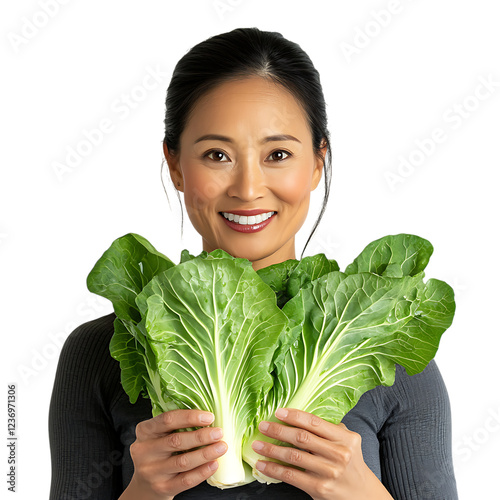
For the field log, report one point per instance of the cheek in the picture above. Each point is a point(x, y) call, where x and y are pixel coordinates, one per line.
point(296, 186)
point(202, 187)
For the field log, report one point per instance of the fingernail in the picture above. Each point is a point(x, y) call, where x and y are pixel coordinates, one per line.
point(281, 413)
point(216, 433)
point(257, 445)
point(214, 465)
point(207, 418)
point(260, 465)
point(220, 447)
point(263, 426)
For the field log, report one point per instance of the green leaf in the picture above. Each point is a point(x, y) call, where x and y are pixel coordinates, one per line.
point(123, 271)
point(355, 329)
point(126, 349)
point(288, 277)
point(119, 275)
point(394, 256)
point(276, 276)
point(185, 255)
point(307, 270)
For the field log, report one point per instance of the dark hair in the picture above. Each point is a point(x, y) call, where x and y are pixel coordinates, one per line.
point(240, 53)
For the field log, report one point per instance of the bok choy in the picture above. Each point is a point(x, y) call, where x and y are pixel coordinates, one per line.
point(213, 334)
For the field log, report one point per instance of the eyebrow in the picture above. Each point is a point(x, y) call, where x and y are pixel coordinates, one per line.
point(270, 138)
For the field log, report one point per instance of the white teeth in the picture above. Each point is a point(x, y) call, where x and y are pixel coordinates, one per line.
point(247, 220)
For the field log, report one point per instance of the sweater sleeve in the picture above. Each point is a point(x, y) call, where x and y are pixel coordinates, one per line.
point(415, 440)
point(85, 451)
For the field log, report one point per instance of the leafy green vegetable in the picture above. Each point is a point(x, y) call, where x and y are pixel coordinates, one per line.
point(119, 275)
point(348, 333)
point(394, 256)
point(215, 352)
point(211, 333)
point(287, 278)
point(123, 271)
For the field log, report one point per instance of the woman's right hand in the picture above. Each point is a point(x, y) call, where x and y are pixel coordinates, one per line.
point(160, 475)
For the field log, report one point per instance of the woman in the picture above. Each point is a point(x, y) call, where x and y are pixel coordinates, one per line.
point(245, 134)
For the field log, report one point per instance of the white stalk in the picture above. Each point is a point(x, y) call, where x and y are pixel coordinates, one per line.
point(231, 471)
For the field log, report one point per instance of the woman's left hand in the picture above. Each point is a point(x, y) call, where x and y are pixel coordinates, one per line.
point(330, 454)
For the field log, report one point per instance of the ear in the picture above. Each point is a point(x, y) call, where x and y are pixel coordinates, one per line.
point(174, 168)
point(318, 167)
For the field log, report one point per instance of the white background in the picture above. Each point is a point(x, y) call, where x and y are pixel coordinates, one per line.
point(415, 69)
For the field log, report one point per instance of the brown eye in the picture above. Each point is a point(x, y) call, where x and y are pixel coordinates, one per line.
point(279, 155)
point(217, 155)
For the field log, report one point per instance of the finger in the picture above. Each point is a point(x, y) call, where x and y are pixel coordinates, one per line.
point(300, 438)
point(172, 420)
point(190, 440)
point(165, 468)
point(312, 423)
point(190, 479)
point(295, 477)
point(177, 442)
point(193, 459)
point(305, 440)
point(298, 458)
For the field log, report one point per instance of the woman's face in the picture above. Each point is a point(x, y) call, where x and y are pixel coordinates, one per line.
point(245, 168)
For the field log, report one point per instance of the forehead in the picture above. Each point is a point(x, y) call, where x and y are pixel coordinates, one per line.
point(246, 103)
point(252, 87)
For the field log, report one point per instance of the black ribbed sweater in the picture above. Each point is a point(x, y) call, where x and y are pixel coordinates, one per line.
point(405, 430)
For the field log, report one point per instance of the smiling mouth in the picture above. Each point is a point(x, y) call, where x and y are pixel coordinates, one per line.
point(245, 220)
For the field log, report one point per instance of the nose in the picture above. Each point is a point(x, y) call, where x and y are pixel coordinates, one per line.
point(248, 180)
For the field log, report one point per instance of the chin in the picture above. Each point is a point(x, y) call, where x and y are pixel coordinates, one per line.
point(257, 257)
point(244, 254)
